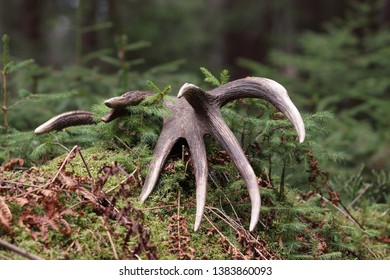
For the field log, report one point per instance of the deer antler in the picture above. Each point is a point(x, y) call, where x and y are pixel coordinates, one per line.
point(195, 113)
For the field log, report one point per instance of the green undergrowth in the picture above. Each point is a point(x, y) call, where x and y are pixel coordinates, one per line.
point(296, 226)
point(82, 202)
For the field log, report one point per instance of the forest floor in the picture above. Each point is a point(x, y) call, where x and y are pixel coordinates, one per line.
point(85, 205)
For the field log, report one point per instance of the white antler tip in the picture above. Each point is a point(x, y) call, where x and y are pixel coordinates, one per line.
point(185, 88)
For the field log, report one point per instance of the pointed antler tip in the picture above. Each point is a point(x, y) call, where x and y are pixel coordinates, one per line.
point(185, 88)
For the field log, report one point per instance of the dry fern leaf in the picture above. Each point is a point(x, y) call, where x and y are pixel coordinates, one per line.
point(19, 200)
point(5, 215)
point(11, 164)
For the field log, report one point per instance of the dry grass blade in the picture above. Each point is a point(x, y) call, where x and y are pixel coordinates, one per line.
point(68, 158)
point(86, 166)
point(252, 247)
point(109, 238)
point(224, 238)
point(128, 178)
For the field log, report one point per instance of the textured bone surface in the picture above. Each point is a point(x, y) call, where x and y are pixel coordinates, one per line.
point(64, 120)
point(201, 109)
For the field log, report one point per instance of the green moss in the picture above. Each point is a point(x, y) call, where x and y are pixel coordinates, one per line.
point(293, 225)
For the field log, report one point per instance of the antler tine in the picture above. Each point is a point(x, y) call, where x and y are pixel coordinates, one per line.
point(199, 161)
point(207, 111)
point(130, 98)
point(161, 152)
point(65, 120)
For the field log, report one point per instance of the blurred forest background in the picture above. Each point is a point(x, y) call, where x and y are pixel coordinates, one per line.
point(214, 33)
point(332, 56)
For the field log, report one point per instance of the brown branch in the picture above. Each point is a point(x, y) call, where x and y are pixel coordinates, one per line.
point(15, 183)
point(18, 250)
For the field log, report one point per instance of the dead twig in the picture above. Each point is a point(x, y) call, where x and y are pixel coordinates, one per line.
point(368, 186)
point(18, 250)
point(251, 244)
point(157, 207)
point(228, 220)
point(123, 181)
point(343, 211)
point(109, 238)
point(64, 163)
point(86, 167)
point(224, 237)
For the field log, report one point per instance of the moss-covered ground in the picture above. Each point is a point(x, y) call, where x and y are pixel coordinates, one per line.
point(85, 205)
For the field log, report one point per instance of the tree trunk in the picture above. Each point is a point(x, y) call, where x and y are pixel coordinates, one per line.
point(385, 13)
